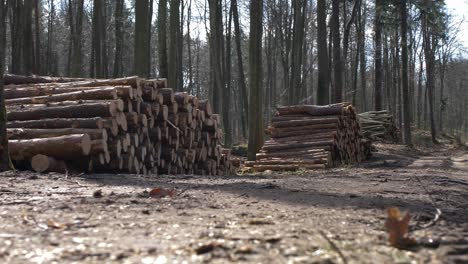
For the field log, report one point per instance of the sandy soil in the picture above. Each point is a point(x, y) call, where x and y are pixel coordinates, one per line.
point(332, 216)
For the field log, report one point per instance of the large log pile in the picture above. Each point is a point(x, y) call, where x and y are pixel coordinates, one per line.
point(128, 125)
point(379, 126)
point(311, 137)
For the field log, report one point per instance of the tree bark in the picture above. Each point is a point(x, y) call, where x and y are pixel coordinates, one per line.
point(63, 147)
point(162, 38)
point(5, 163)
point(119, 39)
point(322, 53)
point(240, 69)
point(404, 72)
point(337, 94)
point(174, 33)
point(141, 38)
point(255, 79)
point(378, 55)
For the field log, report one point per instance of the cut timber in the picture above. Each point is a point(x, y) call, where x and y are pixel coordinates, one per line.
point(103, 93)
point(292, 162)
point(28, 133)
point(119, 104)
point(315, 110)
point(106, 109)
point(205, 106)
point(293, 167)
point(306, 122)
point(168, 96)
point(95, 122)
point(67, 147)
point(16, 93)
point(20, 79)
point(42, 163)
point(298, 145)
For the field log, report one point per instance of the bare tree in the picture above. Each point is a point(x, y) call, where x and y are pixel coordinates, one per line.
point(322, 53)
point(255, 79)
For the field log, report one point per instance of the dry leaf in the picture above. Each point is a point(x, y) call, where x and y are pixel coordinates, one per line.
point(52, 224)
point(160, 192)
point(397, 228)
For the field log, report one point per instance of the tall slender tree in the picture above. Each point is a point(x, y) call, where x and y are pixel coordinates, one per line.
point(322, 53)
point(378, 55)
point(119, 39)
point(255, 80)
point(295, 83)
point(404, 73)
point(141, 38)
point(4, 155)
point(240, 67)
point(337, 94)
point(162, 38)
point(174, 38)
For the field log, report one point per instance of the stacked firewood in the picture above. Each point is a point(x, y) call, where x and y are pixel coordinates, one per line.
point(128, 125)
point(379, 126)
point(311, 137)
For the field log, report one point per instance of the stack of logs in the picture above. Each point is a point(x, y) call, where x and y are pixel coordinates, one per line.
point(127, 125)
point(379, 126)
point(311, 137)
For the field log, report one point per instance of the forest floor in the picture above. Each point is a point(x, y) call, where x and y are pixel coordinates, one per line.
point(324, 216)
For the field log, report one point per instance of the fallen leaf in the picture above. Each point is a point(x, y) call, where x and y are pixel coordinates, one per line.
point(160, 192)
point(397, 228)
point(52, 224)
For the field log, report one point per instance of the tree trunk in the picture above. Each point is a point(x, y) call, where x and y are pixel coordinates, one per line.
point(76, 9)
point(240, 69)
point(227, 89)
point(96, 57)
point(4, 154)
point(119, 39)
point(337, 95)
point(162, 38)
point(255, 79)
point(216, 53)
point(174, 29)
point(28, 47)
point(37, 40)
point(322, 53)
point(141, 38)
point(429, 43)
point(404, 72)
point(295, 83)
point(378, 55)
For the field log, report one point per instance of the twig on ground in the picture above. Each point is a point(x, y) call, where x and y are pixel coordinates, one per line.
point(334, 247)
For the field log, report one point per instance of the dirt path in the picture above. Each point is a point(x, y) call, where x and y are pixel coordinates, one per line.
point(333, 216)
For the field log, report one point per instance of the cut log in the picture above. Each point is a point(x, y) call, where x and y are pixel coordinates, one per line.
point(20, 79)
point(106, 109)
point(261, 168)
point(315, 110)
point(63, 147)
point(103, 93)
point(29, 133)
point(205, 106)
point(95, 122)
point(42, 163)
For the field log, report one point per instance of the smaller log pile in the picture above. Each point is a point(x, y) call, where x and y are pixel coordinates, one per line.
point(126, 125)
point(379, 126)
point(310, 137)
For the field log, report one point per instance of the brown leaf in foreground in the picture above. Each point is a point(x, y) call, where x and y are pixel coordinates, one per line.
point(160, 192)
point(397, 228)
